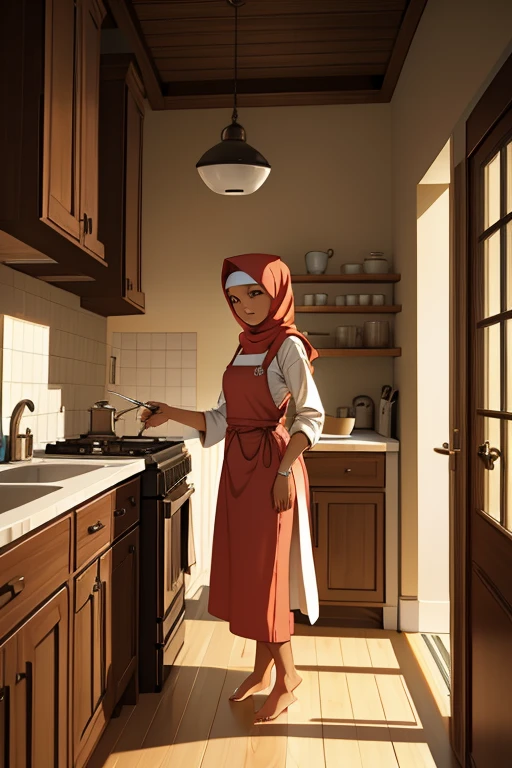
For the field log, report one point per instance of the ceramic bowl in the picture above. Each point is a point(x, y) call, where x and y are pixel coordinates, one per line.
point(335, 426)
point(351, 269)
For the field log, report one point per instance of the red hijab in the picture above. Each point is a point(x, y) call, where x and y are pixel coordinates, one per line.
point(274, 276)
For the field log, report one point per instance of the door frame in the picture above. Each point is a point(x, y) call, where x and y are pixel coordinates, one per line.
point(491, 106)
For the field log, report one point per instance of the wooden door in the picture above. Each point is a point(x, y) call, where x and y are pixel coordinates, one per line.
point(125, 588)
point(7, 688)
point(91, 17)
point(133, 190)
point(88, 685)
point(60, 203)
point(41, 690)
point(489, 623)
point(349, 546)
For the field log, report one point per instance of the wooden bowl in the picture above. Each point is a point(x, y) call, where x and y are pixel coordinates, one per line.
point(335, 426)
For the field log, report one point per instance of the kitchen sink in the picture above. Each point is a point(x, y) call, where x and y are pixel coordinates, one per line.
point(45, 473)
point(12, 496)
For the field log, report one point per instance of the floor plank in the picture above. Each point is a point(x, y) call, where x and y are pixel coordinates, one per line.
point(305, 746)
point(363, 703)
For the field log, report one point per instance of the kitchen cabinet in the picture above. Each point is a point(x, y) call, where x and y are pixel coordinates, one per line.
point(349, 545)
point(354, 522)
point(49, 148)
point(91, 651)
point(124, 633)
point(120, 189)
point(71, 99)
point(34, 692)
point(68, 631)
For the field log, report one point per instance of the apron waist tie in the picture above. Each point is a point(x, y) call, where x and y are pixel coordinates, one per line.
point(245, 426)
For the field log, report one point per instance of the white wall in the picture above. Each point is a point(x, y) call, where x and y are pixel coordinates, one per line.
point(330, 187)
point(458, 46)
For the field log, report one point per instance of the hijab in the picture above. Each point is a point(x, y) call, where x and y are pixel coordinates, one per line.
point(273, 274)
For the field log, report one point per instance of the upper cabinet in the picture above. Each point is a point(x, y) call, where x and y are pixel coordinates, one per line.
point(71, 127)
point(71, 124)
point(120, 189)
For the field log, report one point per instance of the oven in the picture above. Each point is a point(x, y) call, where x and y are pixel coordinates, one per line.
point(166, 554)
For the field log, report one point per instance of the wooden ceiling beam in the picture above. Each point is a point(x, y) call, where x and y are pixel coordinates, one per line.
point(189, 9)
point(281, 99)
point(403, 42)
point(261, 39)
point(128, 23)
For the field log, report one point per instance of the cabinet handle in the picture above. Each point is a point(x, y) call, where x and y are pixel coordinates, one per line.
point(133, 501)
point(96, 527)
point(132, 549)
point(348, 469)
point(120, 512)
point(97, 585)
point(90, 226)
point(2, 694)
point(21, 676)
point(11, 590)
point(85, 221)
point(315, 524)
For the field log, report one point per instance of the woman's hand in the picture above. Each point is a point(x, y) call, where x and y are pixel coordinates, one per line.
point(283, 493)
point(155, 419)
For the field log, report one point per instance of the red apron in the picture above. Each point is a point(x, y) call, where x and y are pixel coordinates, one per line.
point(249, 581)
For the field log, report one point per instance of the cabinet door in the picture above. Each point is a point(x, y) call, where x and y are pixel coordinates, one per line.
point(60, 202)
point(92, 13)
point(125, 586)
point(133, 196)
point(349, 551)
point(41, 689)
point(87, 657)
point(7, 685)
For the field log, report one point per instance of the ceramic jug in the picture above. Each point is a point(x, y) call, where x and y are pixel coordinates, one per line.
point(316, 261)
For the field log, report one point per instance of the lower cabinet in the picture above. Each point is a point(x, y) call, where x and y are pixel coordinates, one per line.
point(105, 640)
point(91, 653)
point(348, 531)
point(125, 589)
point(34, 693)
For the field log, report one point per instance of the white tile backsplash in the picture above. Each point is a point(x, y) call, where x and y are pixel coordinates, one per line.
point(155, 366)
point(51, 351)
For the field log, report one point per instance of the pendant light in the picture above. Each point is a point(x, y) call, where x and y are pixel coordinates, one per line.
point(233, 167)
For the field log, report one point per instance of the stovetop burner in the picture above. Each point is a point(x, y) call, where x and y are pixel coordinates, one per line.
point(111, 446)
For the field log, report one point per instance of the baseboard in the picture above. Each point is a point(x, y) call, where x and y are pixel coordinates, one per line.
point(424, 615)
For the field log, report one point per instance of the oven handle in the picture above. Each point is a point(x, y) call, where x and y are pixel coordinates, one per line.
point(177, 497)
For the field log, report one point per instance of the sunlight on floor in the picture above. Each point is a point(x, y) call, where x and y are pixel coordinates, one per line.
point(363, 703)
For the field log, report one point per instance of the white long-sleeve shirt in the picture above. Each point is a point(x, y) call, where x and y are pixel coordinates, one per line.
point(287, 373)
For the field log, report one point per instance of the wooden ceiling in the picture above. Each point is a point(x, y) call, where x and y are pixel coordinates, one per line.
point(290, 51)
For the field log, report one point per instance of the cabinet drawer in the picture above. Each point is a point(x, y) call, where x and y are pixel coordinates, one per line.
point(31, 571)
point(352, 470)
point(126, 507)
point(93, 528)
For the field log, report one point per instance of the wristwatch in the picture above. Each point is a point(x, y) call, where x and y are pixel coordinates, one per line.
point(284, 474)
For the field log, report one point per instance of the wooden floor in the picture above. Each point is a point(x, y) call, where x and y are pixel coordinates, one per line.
point(363, 703)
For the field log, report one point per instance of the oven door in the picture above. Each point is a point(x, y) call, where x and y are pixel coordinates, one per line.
point(175, 505)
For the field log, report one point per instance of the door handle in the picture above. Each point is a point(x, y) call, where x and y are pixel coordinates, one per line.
point(488, 455)
point(446, 450)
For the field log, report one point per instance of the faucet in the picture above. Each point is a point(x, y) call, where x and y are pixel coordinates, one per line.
point(20, 446)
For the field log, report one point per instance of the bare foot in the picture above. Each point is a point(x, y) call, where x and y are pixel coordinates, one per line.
point(252, 684)
point(278, 700)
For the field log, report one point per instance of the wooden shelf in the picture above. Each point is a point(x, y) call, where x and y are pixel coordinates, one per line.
point(358, 309)
point(367, 352)
point(360, 277)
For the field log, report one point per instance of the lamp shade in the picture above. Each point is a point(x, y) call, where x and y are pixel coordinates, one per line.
point(233, 167)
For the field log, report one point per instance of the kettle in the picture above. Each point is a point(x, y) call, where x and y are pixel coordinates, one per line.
point(365, 412)
point(102, 418)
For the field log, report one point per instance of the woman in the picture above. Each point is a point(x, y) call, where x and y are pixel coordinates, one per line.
point(262, 561)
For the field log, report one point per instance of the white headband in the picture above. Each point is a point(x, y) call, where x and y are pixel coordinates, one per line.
point(239, 278)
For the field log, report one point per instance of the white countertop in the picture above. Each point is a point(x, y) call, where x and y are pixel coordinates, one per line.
point(360, 440)
point(68, 493)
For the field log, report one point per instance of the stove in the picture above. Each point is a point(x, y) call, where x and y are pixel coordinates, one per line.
point(111, 445)
point(166, 542)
